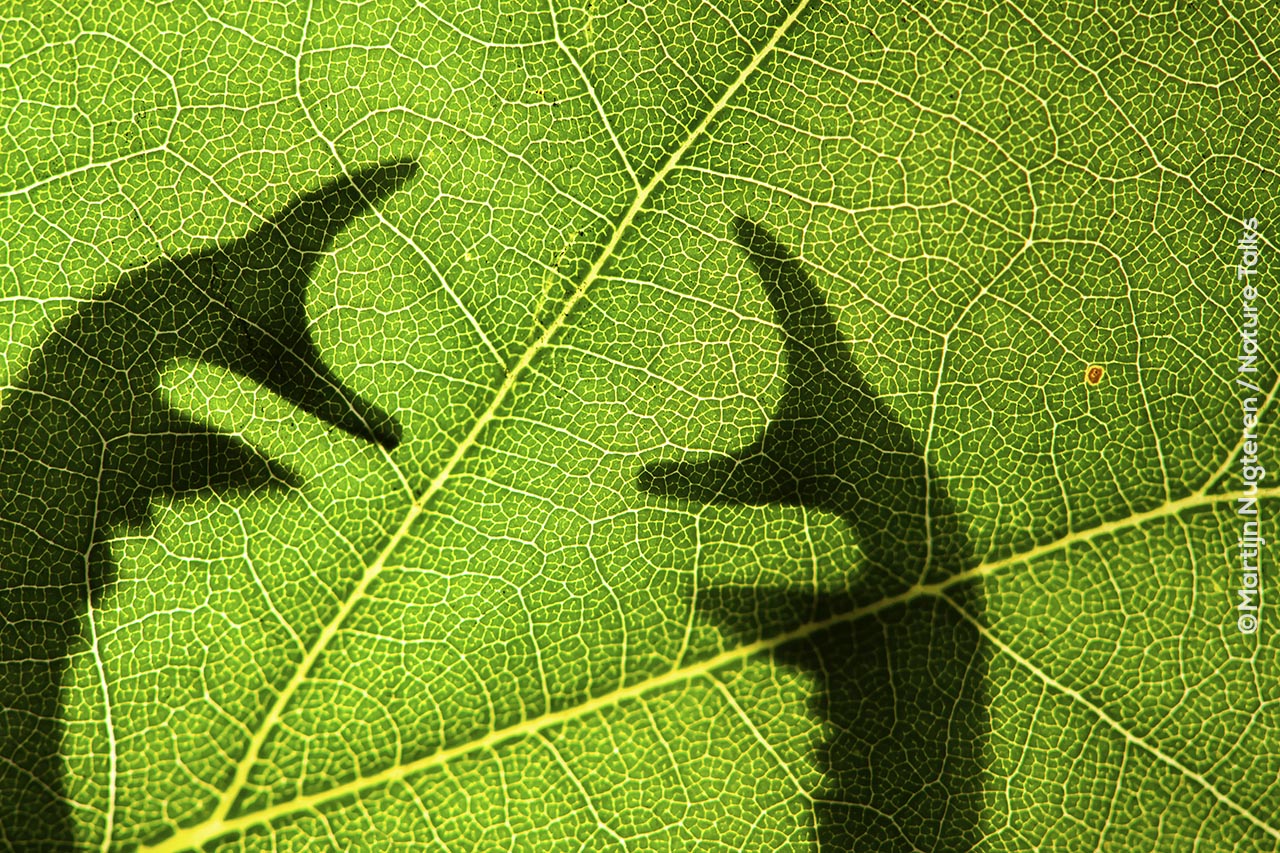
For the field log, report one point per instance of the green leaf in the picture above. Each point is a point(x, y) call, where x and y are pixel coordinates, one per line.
point(631, 426)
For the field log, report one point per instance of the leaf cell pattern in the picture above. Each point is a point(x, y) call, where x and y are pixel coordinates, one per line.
point(474, 631)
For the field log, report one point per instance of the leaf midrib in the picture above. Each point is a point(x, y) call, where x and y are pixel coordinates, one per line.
point(209, 830)
point(218, 818)
point(218, 824)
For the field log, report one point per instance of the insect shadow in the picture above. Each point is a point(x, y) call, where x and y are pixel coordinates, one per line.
point(87, 442)
point(901, 689)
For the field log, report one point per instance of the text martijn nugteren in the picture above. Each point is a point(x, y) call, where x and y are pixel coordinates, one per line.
point(1249, 603)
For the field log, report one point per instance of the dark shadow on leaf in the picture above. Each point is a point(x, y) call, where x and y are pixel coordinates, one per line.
point(900, 688)
point(88, 442)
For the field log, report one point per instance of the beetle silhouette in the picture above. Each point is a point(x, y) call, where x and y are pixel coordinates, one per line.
point(901, 692)
point(87, 442)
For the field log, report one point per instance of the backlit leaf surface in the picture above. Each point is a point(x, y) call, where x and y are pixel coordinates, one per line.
point(1004, 621)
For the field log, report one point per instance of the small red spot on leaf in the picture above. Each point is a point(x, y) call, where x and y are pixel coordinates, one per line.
point(1094, 374)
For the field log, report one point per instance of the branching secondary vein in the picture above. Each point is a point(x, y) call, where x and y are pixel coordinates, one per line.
point(196, 836)
point(219, 816)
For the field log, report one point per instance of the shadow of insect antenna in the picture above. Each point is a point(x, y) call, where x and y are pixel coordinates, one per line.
point(900, 686)
point(88, 442)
